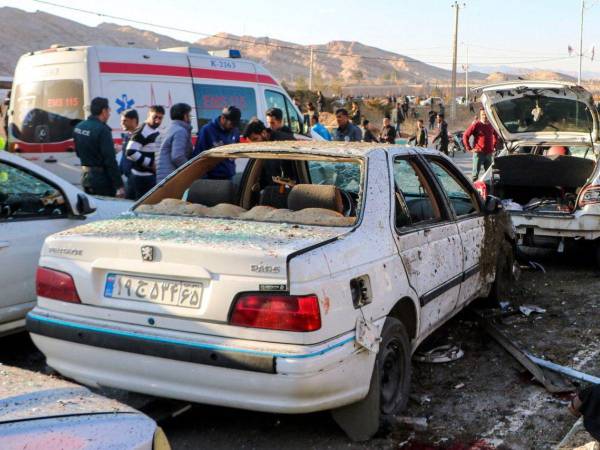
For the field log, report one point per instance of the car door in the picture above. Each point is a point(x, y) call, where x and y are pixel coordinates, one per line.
point(428, 240)
point(468, 212)
point(31, 208)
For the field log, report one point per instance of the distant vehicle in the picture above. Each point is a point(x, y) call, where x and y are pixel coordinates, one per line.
point(548, 174)
point(411, 98)
point(63, 415)
point(432, 101)
point(461, 100)
point(53, 89)
point(306, 287)
point(35, 203)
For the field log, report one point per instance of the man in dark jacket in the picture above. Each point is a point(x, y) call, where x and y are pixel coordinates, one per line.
point(442, 135)
point(346, 131)
point(368, 135)
point(142, 148)
point(275, 124)
point(222, 130)
point(485, 140)
point(129, 123)
point(420, 137)
point(95, 148)
point(388, 132)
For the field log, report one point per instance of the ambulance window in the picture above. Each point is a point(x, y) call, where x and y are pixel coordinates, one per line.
point(290, 116)
point(211, 99)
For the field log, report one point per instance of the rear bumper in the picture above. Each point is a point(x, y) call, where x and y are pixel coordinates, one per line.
point(578, 226)
point(312, 378)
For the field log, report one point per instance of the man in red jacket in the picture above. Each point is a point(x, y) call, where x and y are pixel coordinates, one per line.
point(484, 143)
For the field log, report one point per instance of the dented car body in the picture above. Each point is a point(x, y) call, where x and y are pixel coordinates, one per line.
point(304, 286)
point(547, 175)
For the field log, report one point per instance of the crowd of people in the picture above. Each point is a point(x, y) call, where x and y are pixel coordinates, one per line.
point(148, 156)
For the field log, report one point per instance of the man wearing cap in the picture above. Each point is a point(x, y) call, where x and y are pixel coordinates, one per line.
point(222, 130)
point(95, 148)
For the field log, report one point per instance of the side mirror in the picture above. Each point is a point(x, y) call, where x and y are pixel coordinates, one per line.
point(83, 205)
point(492, 204)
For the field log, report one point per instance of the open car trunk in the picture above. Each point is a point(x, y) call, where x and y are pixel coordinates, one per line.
point(540, 184)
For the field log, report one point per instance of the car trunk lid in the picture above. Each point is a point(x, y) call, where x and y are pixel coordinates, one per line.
point(215, 259)
point(536, 112)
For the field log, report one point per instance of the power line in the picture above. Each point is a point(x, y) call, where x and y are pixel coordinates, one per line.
point(266, 43)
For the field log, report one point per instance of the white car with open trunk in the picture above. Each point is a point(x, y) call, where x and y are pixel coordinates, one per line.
point(547, 176)
point(306, 286)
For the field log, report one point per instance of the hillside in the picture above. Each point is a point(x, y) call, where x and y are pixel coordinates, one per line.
point(342, 62)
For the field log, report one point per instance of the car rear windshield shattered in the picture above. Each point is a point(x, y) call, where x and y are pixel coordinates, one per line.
point(536, 113)
point(285, 189)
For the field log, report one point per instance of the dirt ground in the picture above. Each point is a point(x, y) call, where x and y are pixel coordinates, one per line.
point(485, 400)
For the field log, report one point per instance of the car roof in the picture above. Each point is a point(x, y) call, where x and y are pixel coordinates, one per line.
point(319, 148)
point(513, 84)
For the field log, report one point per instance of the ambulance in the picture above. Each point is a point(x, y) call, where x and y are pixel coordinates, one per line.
point(53, 89)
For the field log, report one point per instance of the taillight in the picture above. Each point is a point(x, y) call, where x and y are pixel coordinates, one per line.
point(590, 195)
point(56, 285)
point(481, 188)
point(277, 312)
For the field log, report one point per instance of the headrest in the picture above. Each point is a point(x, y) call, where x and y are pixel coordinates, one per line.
point(315, 196)
point(211, 192)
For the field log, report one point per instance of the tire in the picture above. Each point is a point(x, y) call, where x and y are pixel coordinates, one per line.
point(389, 388)
point(504, 275)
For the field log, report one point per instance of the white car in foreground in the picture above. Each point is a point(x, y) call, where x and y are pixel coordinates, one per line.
point(548, 174)
point(35, 203)
point(306, 287)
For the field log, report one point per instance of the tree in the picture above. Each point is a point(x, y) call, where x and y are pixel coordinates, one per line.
point(337, 86)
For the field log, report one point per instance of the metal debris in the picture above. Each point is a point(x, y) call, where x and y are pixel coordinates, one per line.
point(527, 310)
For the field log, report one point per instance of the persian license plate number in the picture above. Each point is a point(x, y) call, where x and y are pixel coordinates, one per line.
point(163, 292)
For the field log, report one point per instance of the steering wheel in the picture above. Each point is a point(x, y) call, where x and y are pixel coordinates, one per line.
point(348, 204)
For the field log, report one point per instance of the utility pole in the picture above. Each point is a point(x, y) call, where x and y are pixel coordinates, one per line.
point(581, 43)
point(456, 7)
point(467, 77)
point(310, 70)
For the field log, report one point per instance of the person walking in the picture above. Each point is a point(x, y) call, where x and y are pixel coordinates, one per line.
point(388, 132)
point(420, 138)
point(355, 114)
point(129, 122)
point(222, 130)
point(176, 147)
point(318, 128)
point(320, 101)
point(346, 130)
point(485, 139)
point(96, 151)
point(442, 135)
point(368, 135)
point(141, 151)
point(432, 115)
point(397, 117)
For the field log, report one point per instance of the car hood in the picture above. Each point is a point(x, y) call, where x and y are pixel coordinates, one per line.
point(536, 112)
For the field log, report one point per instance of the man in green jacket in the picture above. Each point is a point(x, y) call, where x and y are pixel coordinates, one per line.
point(95, 148)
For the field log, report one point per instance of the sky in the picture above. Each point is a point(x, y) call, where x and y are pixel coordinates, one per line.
point(515, 33)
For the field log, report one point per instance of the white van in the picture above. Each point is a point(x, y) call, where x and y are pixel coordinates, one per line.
point(53, 89)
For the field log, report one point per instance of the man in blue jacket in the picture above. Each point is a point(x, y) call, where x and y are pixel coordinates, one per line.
point(222, 130)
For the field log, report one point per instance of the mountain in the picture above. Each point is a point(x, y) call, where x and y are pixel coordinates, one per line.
point(341, 62)
point(351, 62)
point(23, 32)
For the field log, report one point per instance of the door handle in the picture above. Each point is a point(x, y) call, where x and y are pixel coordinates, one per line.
point(4, 244)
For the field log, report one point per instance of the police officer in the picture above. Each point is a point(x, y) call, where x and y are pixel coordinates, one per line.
point(94, 146)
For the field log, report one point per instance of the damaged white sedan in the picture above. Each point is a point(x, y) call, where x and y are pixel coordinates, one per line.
point(547, 176)
point(304, 286)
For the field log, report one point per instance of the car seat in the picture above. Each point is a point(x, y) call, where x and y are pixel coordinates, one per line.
point(211, 192)
point(315, 196)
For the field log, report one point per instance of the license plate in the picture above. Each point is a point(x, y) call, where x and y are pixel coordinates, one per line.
point(152, 290)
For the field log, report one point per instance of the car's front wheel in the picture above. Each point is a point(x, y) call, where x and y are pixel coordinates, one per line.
point(389, 389)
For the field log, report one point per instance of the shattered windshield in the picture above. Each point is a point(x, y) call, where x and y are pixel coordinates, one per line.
point(290, 189)
point(536, 113)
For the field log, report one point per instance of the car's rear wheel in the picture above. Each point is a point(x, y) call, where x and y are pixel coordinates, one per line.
point(504, 274)
point(389, 389)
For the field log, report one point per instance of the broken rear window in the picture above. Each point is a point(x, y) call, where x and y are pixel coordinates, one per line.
point(533, 113)
point(272, 188)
